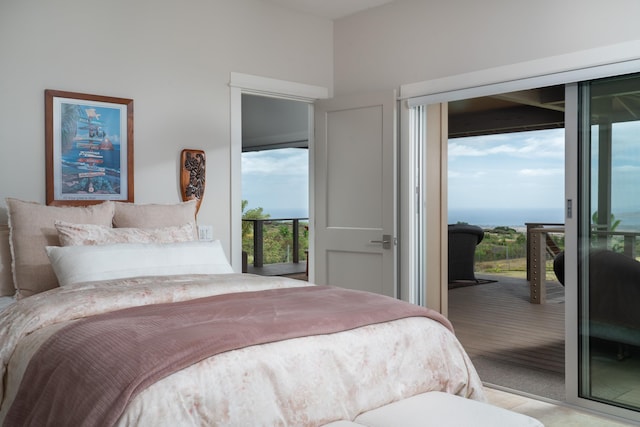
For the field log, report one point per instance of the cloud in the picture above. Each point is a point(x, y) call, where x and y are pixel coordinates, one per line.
point(285, 162)
point(626, 168)
point(542, 172)
point(539, 144)
point(463, 150)
point(453, 174)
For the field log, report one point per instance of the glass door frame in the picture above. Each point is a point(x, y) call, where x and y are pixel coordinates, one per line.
point(577, 187)
point(433, 94)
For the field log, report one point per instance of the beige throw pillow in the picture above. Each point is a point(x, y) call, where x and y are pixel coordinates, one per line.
point(132, 215)
point(32, 228)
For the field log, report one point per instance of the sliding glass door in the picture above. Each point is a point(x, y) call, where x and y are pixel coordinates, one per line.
point(608, 241)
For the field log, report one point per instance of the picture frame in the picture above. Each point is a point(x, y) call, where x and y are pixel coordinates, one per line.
point(88, 148)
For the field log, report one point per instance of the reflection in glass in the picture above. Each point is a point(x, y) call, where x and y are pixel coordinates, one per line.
point(609, 272)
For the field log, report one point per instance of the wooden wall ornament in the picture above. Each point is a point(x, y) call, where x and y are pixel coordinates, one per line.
point(192, 175)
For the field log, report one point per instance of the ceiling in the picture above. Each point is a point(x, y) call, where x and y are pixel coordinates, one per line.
point(270, 123)
point(534, 109)
point(331, 9)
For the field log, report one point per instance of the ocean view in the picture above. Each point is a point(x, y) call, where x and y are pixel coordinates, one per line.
point(489, 218)
point(516, 218)
point(287, 213)
point(486, 218)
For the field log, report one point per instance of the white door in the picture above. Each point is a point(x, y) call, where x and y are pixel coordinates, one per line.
point(355, 186)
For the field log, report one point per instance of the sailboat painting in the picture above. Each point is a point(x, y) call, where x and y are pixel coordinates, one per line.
point(91, 145)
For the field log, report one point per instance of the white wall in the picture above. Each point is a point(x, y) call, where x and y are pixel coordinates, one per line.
point(411, 41)
point(173, 58)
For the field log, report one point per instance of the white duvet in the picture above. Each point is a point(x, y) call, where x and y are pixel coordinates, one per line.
point(300, 382)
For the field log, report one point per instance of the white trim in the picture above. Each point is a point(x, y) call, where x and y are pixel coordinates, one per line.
point(281, 88)
point(236, 178)
point(244, 83)
point(406, 212)
point(311, 251)
point(589, 64)
point(571, 243)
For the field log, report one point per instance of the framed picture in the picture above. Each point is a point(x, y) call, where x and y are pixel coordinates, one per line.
point(88, 148)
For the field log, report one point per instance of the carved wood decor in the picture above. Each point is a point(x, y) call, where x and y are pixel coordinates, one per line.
point(192, 175)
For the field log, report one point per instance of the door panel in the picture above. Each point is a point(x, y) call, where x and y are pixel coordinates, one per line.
point(355, 192)
point(608, 269)
point(354, 195)
point(365, 278)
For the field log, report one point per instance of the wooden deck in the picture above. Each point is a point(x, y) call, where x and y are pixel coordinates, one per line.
point(281, 269)
point(513, 343)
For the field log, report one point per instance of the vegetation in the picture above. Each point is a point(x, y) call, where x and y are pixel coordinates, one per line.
point(504, 251)
point(277, 237)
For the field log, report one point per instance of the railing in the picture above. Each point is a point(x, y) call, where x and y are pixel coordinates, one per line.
point(549, 247)
point(539, 245)
point(629, 238)
point(258, 238)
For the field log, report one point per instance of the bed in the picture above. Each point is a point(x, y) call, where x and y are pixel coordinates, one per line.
point(135, 322)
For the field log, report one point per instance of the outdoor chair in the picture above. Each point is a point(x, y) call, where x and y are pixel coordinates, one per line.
point(463, 239)
point(614, 296)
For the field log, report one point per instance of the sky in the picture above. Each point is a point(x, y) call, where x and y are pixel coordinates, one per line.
point(625, 175)
point(523, 170)
point(516, 170)
point(277, 181)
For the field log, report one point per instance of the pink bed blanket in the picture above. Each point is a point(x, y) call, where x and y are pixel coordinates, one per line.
point(87, 372)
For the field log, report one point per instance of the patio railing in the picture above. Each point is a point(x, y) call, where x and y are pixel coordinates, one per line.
point(540, 245)
point(258, 237)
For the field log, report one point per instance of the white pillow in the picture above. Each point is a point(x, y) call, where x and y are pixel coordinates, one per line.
point(75, 264)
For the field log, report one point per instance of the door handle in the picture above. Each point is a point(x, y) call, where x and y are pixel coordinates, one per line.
point(386, 241)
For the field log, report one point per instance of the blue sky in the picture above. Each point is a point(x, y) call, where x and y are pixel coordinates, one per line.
point(625, 175)
point(517, 170)
point(523, 170)
point(499, 171)
point(276, 180)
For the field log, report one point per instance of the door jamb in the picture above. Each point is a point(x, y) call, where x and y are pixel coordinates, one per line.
point(239, 84)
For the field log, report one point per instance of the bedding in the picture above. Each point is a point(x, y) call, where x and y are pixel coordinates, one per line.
point(6, 302)
point(6, 277)
point(24, 267)
point(136, 259)
point(32, 227)
point(302, 380)
point(154, 215)
point(88, 234)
